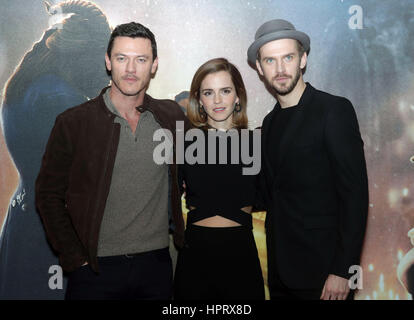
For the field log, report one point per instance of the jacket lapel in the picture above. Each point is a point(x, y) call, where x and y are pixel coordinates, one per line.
point(267, 172)
point(294, 125)
point(289, 134)
point(265, 137)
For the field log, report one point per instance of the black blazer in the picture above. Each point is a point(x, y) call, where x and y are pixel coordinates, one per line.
point(316, 196)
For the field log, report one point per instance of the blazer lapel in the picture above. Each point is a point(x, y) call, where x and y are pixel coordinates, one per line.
point(289, 134)
point(294, 125)
point(267, 172)
point(265, 137)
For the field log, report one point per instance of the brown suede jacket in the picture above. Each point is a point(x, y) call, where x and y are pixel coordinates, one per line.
point(75, 176)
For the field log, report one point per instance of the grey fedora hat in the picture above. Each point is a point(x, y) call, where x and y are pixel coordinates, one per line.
point(274, 30)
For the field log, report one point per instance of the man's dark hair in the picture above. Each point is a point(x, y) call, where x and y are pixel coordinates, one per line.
point(133, 30)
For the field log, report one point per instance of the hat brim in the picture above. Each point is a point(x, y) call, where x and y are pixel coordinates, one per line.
point(303, 38)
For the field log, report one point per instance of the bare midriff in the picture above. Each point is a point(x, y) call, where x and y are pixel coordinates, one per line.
point(219, 221)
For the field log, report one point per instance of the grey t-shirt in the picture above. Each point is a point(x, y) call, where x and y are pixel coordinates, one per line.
point(136, 214)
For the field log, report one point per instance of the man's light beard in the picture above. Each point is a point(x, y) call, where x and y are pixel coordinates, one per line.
point(289, 89)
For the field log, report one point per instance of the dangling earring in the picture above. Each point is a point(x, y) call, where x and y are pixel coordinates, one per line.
point(201, 111)
point(237, 107)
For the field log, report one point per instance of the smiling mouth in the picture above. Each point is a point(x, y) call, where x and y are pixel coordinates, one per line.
point(219, 109)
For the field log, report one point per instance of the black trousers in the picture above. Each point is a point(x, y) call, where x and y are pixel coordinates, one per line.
point(279, 291)
point(143, 276)
point(218, 263)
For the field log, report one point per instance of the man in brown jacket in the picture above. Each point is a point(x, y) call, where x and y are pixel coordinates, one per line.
point(102, 198)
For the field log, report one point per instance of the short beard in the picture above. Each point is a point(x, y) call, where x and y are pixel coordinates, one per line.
point(289, 89)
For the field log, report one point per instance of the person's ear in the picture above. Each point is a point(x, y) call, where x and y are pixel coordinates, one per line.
point(259, 67)
point(108, 62)
point(154, 66)
point(303, 60)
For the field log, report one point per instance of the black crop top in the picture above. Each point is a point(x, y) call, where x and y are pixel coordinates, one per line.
point(219, 189)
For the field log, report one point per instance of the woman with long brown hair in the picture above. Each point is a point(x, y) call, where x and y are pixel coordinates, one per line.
point(219, 259)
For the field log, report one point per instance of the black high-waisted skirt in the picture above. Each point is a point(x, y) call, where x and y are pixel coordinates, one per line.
point(218, 263)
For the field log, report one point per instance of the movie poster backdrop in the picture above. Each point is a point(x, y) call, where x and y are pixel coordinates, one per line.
point(52, 58)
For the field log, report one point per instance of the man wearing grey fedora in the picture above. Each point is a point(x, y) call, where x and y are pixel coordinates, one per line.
point(314, 180)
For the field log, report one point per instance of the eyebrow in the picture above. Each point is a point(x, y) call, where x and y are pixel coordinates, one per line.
point(207, 89)
point(285, 55)
point(125, 54)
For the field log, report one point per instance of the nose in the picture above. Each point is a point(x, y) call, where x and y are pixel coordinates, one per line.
point(130, 67)
point(217, 98)
point(280, 66)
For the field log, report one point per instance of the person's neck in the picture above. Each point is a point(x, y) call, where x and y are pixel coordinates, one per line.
point(126, 105)
point(292, 99)
point(221, 126)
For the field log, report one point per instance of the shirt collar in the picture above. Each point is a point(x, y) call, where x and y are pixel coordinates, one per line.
point(304, 99)
point(109, 104)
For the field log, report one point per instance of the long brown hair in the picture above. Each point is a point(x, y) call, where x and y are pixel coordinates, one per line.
point(198, 119)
